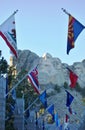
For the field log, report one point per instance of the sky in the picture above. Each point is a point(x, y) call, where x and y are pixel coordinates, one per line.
point(42, 27)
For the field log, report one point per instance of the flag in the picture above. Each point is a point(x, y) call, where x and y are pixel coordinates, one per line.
point(71, 111)
point(43, 98)
point(73, 78)
point(51, 111)
point(36, 121)
point(66, 122)
point(57, 121)
point(14, 94)
point(61, 127)
point(43, 125)
point(8, 33)
point(33, 78)
point(66, 118)
point(69, 99)
point(27, 113)
point(74, 29)
point(12, 108)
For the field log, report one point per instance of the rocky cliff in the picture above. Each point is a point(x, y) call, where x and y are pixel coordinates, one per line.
point(53, 72)
point(51, 69)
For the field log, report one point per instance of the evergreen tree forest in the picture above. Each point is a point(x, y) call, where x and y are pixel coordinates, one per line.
point(24, 89)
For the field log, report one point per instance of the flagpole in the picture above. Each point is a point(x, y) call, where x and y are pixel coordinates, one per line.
point(65, 11)
point(16, 85)
point(10, 16)
point(31, 104)
point(15, 12)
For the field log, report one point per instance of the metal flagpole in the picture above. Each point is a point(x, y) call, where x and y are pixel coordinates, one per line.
point(10, 16)
point(65, 11)
point(31, 104)
point(16, 85)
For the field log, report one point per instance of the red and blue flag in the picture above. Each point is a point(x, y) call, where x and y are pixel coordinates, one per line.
point(33, 78)
point(74, 29)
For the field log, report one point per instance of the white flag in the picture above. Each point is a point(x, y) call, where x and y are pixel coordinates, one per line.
point(8, 33)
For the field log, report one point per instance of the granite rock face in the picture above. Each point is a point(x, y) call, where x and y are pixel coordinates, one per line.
point(51, 69)
point(53, 72)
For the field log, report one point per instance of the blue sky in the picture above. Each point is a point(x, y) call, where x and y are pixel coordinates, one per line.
point(42, 26)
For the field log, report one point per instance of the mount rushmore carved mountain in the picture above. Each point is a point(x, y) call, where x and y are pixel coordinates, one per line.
point(51, 69)
point(53, 72)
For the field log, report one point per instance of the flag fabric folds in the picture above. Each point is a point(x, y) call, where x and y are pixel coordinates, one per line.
point(66, 123)
point(57, 121)
point(8, 33)
point(43, 125)
point(66, 118)
point(13, 94)
point(43, 98)
point(36, 121)
point(61, 127)
point(73, 78)
point(74, 29)
point(12, 109)
point(33, 78)
point(27, 114)
point(69, 99)
point(71, 111)
point(50, 109)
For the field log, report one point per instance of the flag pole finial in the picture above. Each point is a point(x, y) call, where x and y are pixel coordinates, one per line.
point(65, 11)
point(15, 12)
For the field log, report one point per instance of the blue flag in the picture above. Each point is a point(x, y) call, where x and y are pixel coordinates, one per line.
point(14, 94)
point(74, 29)
point(27, 113)
point(36, 121)
point(43, 125)
point(57, 121)
point(69, 99)
point(12, 108)
point(71, 111)
point(51, 111)
point(43, 98)
point(61, 127)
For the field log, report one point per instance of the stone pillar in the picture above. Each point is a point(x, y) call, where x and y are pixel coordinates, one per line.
point(18, 115)
point(2, 102)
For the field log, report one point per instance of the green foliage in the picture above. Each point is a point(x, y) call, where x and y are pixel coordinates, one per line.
point(24, 89)
point(65, 85)
point(83, 92)
point(11, 76)
point(83, 100)
point(57, 88)
point(9, 125)
point(3, 66)
point(78, 88)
